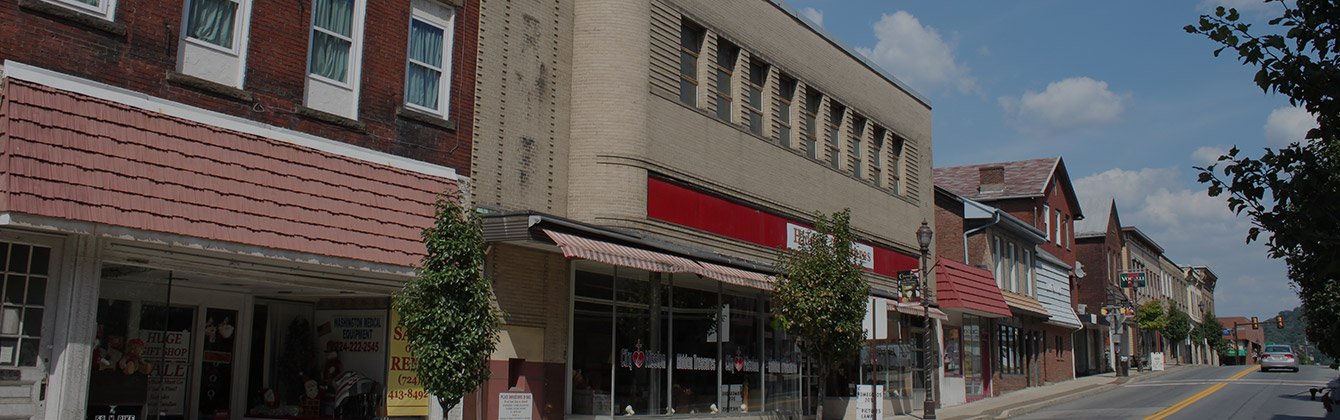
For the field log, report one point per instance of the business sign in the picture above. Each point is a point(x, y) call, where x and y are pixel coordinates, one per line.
point(864, 254)
point(869, 402)
point(686, 206)
point(404, 395)
point(1133, 277)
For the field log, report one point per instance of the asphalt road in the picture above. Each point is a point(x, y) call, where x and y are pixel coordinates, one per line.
point(1255, 395)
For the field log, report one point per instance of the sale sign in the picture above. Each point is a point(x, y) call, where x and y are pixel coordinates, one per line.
point(404, 395)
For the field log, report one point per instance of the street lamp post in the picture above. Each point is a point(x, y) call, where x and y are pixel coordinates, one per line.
point(1204, 344)
point(924, 235)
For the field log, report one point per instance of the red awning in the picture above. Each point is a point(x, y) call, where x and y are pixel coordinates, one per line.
point(970, 289)
point(736, 276)
point(623, 256)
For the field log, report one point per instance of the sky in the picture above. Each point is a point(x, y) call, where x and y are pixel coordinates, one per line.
point(1119, 90)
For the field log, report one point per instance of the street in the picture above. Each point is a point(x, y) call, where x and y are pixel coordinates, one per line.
point(1253, 395)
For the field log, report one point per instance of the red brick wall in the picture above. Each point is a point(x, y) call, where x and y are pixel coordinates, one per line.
point(948, 228)
point(1058, 362)
point(276, 67)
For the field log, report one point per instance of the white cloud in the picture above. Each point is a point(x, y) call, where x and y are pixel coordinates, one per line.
point(917, 54)
point(1193, 228)
point(814, 15)
point(1288, 125)
point(1065, 105)
point(1208, 155)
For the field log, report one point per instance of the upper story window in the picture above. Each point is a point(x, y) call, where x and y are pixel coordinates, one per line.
point(877, 156)
point(858, 138)
point(787, 90)
point(335, 57)
point(896, 165)
point(727, 55)
point(428, 69)
point(1060, 227)
point(1047, 222)
point(690, 45)
point(836, 112)
point(758, 77)
point(105, 9)
point(1014, 266)
point(214, 38)
point(813, 100)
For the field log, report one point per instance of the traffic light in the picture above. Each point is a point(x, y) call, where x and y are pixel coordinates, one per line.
point(1279, 321)
point(1256, 325)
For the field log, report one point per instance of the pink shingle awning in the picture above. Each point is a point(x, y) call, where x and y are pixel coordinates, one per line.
point(969, 289)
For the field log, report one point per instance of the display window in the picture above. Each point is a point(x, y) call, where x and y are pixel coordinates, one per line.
point(174, 345)
point(672, 344)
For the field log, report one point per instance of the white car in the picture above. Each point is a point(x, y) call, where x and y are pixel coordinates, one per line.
point(1278, 356)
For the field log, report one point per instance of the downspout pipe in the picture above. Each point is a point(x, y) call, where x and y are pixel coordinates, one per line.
point(995, 218)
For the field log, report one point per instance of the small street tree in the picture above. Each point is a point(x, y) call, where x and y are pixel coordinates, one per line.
point(821, 297)
point(1291, 192)
point(447, 311)
point(1211, 332)
point(1178, 326)
point(1150, 317)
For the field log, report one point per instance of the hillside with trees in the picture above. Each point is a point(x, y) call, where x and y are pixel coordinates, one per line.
point(1292, 334)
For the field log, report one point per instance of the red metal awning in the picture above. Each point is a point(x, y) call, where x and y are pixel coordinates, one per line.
point(970, 289)
point(736, 276)
point(624, 256)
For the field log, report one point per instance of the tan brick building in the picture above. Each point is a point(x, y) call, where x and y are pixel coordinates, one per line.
point(642, 163)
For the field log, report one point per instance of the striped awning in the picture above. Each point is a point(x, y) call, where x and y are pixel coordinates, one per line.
point(620, 255)
point(915, 309)
point(736, 276)
point(1025, 304)
point(625, 256)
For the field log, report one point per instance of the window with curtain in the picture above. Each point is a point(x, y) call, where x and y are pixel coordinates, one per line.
point(332, 39)
point(212, 21)
point(426, 67)
point(895, 167)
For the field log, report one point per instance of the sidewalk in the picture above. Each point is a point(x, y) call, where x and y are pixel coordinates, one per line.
point(1027, 400)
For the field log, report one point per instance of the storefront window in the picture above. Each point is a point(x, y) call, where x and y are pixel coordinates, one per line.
point(953, 352)
point(658, 344)
point(174, 345)
point(973, 370)
point(25, 287)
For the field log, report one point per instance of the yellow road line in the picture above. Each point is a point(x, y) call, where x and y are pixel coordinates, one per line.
point(1199, 395)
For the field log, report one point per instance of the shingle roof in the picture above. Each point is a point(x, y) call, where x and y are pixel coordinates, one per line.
point(1023, 179)
point(1095, 224)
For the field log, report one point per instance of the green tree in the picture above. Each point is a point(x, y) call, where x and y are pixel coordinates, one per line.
point(1291, 192)
point(821, 296)
point(1212, 332)
point(1178, 326)
point(1150, 317)
point(447, 311)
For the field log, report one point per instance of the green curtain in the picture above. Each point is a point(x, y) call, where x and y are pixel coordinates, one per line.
point(330, 53)
point(212, 21)
point(425, 47)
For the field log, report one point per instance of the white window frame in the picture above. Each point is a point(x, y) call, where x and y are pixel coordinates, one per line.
point(213, 56)
point(1000, 263)
point(355, 74)
point(106, 9)
point(1047, 221)
point(419, 10)
point(1060, 228)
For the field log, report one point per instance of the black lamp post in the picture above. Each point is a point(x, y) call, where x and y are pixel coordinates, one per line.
point(924, 235)
point(1204, 348)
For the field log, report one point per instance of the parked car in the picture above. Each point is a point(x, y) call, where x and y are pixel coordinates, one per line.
point(1278, 356)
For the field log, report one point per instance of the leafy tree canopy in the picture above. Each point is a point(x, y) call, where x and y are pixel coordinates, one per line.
point(1178, 326)
point(1292, 192)
point(821, 296)
point(1150, 316)
point(447, 311)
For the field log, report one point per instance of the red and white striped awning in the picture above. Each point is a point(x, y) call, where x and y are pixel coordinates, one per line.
point(915, 309)
point(736, 276)
point(625, 256)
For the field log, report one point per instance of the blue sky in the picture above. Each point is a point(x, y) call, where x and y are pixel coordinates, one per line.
point(1118, 89)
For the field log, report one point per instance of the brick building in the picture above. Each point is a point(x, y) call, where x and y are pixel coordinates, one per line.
point(1098, 243)
point(211, 203)
point(1202, 282)
point(1243, 340)
point(648, 160)
point(1026, 208)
